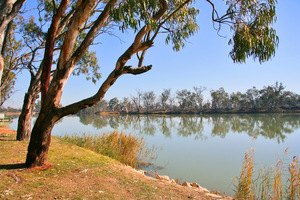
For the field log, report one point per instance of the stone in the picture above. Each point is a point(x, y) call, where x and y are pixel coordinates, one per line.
point(173, 181)
point(165, 178)
point(194, 184)
point(186, 184)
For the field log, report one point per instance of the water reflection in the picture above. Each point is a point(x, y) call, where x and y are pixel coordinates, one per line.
point(270, 126)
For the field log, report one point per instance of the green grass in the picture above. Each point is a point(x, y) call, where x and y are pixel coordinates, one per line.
point(127, 149)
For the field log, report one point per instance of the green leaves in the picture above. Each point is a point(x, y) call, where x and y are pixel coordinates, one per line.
point(179, 22)
point(134, 14)
point(88, 65)
point(253, 32)
point(181, 26)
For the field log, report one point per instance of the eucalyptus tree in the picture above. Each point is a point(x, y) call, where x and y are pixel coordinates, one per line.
point(185, 99)
point(137, 100)
point(125, 105)
point(199, 96)
point(149, 100)
point(7, 85)
point(289, 99)
point(164, 97)
point(220, 99)
point(113, 103)
point(235, 99)
point(34, 36)
point(250, 21)
point(270, 96)
point(12, 62)
point(9, 9)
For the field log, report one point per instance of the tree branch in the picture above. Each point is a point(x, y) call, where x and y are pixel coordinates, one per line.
point(99, 23)
point(164, 21)
point(136, 71)
point(49, 46)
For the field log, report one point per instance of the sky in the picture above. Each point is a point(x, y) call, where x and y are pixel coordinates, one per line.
point(204, 61)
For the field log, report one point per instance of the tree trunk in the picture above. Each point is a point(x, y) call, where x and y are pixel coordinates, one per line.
point(25, 118)
point(40, 141)
point(24, 121)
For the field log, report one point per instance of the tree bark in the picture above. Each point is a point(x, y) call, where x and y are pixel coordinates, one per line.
point(25, 118)
point(24, 121)
point(40, 140)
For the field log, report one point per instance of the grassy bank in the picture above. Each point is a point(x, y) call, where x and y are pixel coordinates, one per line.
point(79, 173)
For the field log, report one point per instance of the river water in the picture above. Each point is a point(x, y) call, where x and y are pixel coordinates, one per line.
point(207, 149)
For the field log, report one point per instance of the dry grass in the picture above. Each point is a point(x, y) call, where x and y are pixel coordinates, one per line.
point(243, 189)
point(294, 179)
point(270, 183)
point(127, 149)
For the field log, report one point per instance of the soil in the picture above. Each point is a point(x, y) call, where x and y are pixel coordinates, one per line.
point(77, 173)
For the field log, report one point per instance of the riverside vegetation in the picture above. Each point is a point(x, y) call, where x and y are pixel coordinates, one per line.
point(128, 149)
point(281, 181)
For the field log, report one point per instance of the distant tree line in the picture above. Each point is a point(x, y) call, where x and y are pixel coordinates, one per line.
point(273, 98)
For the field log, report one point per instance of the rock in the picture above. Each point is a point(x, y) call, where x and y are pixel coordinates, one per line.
point(214, 196)
point(165, 178)
point(195, 185)
point(186, 184)
point(173, 181)
point(203, 189)
point(141, 172)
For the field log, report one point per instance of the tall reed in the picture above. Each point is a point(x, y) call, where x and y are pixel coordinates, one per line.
point(243, 188)
point(294, 179)
point(125, 148)
point(269, 183)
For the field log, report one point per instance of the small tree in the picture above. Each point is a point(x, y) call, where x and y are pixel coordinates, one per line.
point(149, 100)
point(137, 100)
point(164, 97)
point(199, 96)
point(113, 103)
point(271, 96)
point(220, 99)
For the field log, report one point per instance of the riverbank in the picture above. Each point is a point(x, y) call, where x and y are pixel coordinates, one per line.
point(78, 173)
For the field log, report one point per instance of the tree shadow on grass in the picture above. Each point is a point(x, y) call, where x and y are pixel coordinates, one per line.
point(13, 166)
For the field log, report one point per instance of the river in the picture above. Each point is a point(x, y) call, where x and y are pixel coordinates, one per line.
point(207, 149)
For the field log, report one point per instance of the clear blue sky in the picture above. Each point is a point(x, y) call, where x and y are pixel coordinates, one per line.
point(204, 61)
